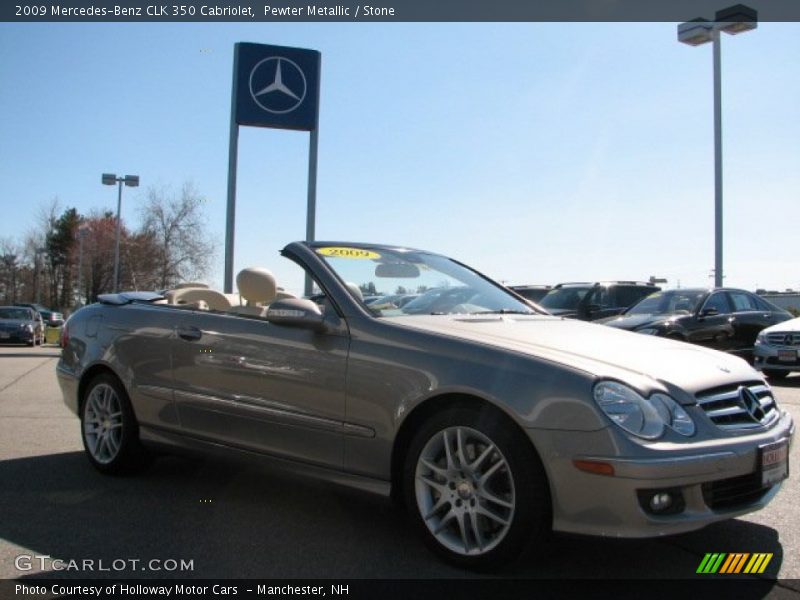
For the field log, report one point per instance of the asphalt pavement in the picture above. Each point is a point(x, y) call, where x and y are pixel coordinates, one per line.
point(235, 521)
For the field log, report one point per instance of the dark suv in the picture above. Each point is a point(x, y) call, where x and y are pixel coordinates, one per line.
point(592, 301)
point(51, 318)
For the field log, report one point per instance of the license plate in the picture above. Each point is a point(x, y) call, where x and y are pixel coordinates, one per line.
point(787, 355)
point(774, 463)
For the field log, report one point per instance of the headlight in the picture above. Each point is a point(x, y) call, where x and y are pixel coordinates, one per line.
point(673, 414)
point(26, 326)
point(642, 417)
point(648, 330)
point(761, 338)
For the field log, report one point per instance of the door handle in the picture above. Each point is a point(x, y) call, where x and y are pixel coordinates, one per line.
point(190, 334)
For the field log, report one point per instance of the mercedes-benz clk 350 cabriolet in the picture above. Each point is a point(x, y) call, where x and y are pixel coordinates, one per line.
point(492, 421)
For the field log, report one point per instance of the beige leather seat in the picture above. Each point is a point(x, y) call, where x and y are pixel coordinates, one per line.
point(212, 298)
point(190, 284)
point(258, 288)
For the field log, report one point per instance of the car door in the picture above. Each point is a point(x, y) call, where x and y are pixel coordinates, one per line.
point(748, 319)
point(248, 383)
point(598, 303)
point(712, 329)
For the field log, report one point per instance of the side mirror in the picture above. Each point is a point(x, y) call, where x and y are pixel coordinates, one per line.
point(296, 312)
point(709, 312)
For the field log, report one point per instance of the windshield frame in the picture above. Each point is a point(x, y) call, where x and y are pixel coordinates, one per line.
point(400, 252)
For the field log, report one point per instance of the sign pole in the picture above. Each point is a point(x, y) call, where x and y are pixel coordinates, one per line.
point(233, 157)
point(311, 213)
point(277, 87)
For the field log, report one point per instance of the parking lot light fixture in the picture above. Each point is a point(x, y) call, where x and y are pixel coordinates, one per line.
point(734, 19)
point(130, 181)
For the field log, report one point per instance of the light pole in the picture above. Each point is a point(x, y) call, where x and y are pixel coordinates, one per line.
point(130, 181)
point(732, 20)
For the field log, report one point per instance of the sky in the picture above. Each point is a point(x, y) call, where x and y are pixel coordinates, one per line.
point(535, 152)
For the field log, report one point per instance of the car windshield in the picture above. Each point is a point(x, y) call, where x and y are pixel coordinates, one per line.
point(566, 298)
point(15, 313)
point(443, 285)
point(668, 303)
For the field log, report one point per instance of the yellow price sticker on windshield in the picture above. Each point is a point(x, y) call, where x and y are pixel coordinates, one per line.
point(348, 253)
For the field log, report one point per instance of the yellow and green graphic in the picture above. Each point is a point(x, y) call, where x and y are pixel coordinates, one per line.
point(735, 562)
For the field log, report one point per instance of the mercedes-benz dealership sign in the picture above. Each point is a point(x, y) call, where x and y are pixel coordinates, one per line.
point(276, 86)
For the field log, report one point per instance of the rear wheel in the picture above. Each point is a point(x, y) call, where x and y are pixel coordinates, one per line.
point(109, 429)
point(476, 488)
point(775, 374)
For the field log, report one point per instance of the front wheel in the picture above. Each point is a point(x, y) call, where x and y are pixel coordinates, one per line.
point(109, 429)
point(476, 488)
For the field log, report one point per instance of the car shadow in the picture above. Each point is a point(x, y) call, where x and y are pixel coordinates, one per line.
point(792, 381)
point(249, 522)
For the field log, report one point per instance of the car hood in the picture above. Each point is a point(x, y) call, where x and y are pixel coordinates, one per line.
point(596, 349)
point(790, 325)
point(561, 312)
point(631, 322)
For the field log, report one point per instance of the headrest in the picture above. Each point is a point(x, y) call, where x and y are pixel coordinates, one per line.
point(355, 290)
point(256, 285)
point(190, 284)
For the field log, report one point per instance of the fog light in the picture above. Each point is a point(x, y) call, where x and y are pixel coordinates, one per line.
point(660, 502)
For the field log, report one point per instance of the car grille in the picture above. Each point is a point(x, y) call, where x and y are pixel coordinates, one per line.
point(732, 493)
point(742, 406)
point(784, 339)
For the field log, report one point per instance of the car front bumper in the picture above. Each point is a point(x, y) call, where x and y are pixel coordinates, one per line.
point(768, 357)
point(19, 336)
point(708, 481)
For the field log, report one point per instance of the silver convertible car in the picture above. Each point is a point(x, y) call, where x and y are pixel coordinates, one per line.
point(492, 421)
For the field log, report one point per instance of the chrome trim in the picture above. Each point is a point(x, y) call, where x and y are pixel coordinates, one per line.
point(726, 409)
point(267, 409)
point(155, 391)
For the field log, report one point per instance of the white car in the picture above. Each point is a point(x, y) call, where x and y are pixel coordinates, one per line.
point(776, 349)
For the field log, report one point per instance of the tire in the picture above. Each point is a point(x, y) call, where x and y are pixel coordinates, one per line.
point(475, 488)
point(109, 430)
point(775, 374)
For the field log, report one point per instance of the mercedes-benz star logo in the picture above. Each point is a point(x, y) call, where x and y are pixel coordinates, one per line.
point(751, 404)
point(278, 85)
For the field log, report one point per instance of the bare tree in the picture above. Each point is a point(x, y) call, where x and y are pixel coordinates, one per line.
point(176, 224)
point(10, 266)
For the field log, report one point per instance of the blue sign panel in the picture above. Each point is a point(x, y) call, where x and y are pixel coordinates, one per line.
point(276, 86)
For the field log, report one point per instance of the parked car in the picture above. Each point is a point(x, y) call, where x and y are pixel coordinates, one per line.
point(776, 349)
point(50, 317)
point(492, 421)
point(391, 301)
point(439, 300)
point(534, 293)
point(725, 319)
point(21, 325)
point(593, 301)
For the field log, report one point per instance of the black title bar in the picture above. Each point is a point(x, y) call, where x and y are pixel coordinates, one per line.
point(384, 10)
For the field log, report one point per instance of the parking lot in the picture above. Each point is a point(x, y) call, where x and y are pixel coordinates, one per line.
point(244, 522)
